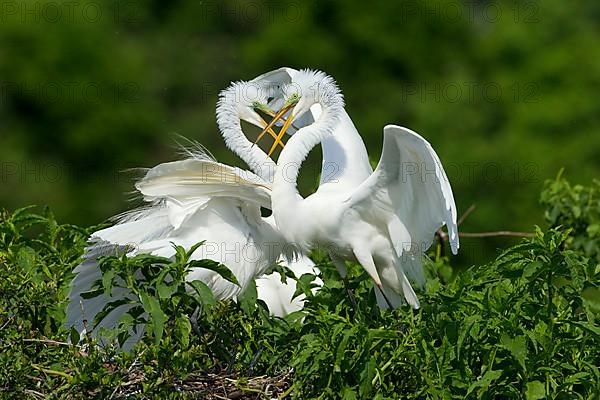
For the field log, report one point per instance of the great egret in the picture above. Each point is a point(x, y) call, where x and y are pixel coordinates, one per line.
point(386, 222)
point(345, 162)
point(192, 200)
point(189, 201)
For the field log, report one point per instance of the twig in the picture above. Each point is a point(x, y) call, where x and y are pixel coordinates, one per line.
point(7, 322)
point(128, 371)
point(443, 236)
point(47, 341)
point(286, 393)
point(496, 233)
point(35, 393)
point(466, 214)
point(48, 371)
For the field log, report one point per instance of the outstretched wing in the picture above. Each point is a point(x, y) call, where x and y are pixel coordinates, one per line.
point(189, 201)
point(185, 186)
point(410, 193)
point(81, 312)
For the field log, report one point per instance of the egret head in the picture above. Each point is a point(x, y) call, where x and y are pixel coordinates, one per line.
point(244, 99)
point(307, 88)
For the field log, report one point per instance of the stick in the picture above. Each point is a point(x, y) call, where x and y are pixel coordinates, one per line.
point(494, 234)
point(466, 214)
point(47, 341)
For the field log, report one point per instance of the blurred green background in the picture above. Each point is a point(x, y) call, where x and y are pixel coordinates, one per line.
point(507, 92)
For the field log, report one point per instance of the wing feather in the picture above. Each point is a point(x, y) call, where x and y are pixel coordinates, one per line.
point(189, 201)
point(410, 193)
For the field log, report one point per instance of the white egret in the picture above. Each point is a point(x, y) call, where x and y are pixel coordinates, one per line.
point(387, 221)
point(345, 162)
point(189, 201)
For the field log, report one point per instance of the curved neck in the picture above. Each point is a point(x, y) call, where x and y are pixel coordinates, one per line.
point(285, 194)
point(229, 122)
point(345, 159)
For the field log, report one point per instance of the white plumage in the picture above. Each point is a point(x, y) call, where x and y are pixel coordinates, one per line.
point(192, 200)
point(383, 219)
point(387, 221)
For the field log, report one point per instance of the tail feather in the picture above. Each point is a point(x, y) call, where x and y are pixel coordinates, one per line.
point(409, 293)
point(395, 300)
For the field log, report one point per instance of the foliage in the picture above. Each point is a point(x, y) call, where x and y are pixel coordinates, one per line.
point(526, 325)
point(578, 208)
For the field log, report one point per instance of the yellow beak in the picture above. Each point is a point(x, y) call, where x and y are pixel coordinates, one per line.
point(276, 118)
point(281, 133)
point(270, 130)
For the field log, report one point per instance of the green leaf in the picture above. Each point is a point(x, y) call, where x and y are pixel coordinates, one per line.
point(339, 355)
point(517, 347)
point(107, 309)
point(577, 378)
point(203, 291)
point(593, 230)
point(595, 330)
point(485, 381)
point(165, 290)
point(531, 268)
point(107, 281)
point(74, 336)
point(26, 258)
point(247, 300)
point(157, 316)
point(92, 293)
point(193, 249)
point(147, 259)
point(465, 329)
point(348, 394)
point(183, 327)
point(304, 285)
point(535, 390)
point(366, 378)
point(220, 269)
point(20, 212)
point(591, 297)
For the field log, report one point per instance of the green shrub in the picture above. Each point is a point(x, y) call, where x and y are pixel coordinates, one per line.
point(523, 326)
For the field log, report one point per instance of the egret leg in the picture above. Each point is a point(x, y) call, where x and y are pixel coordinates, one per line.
point(388, 302)
point(365, 259)
point(340, 265)
point(380, 294)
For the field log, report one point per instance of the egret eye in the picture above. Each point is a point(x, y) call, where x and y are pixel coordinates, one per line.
point(258, 106)
point(293, 99)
